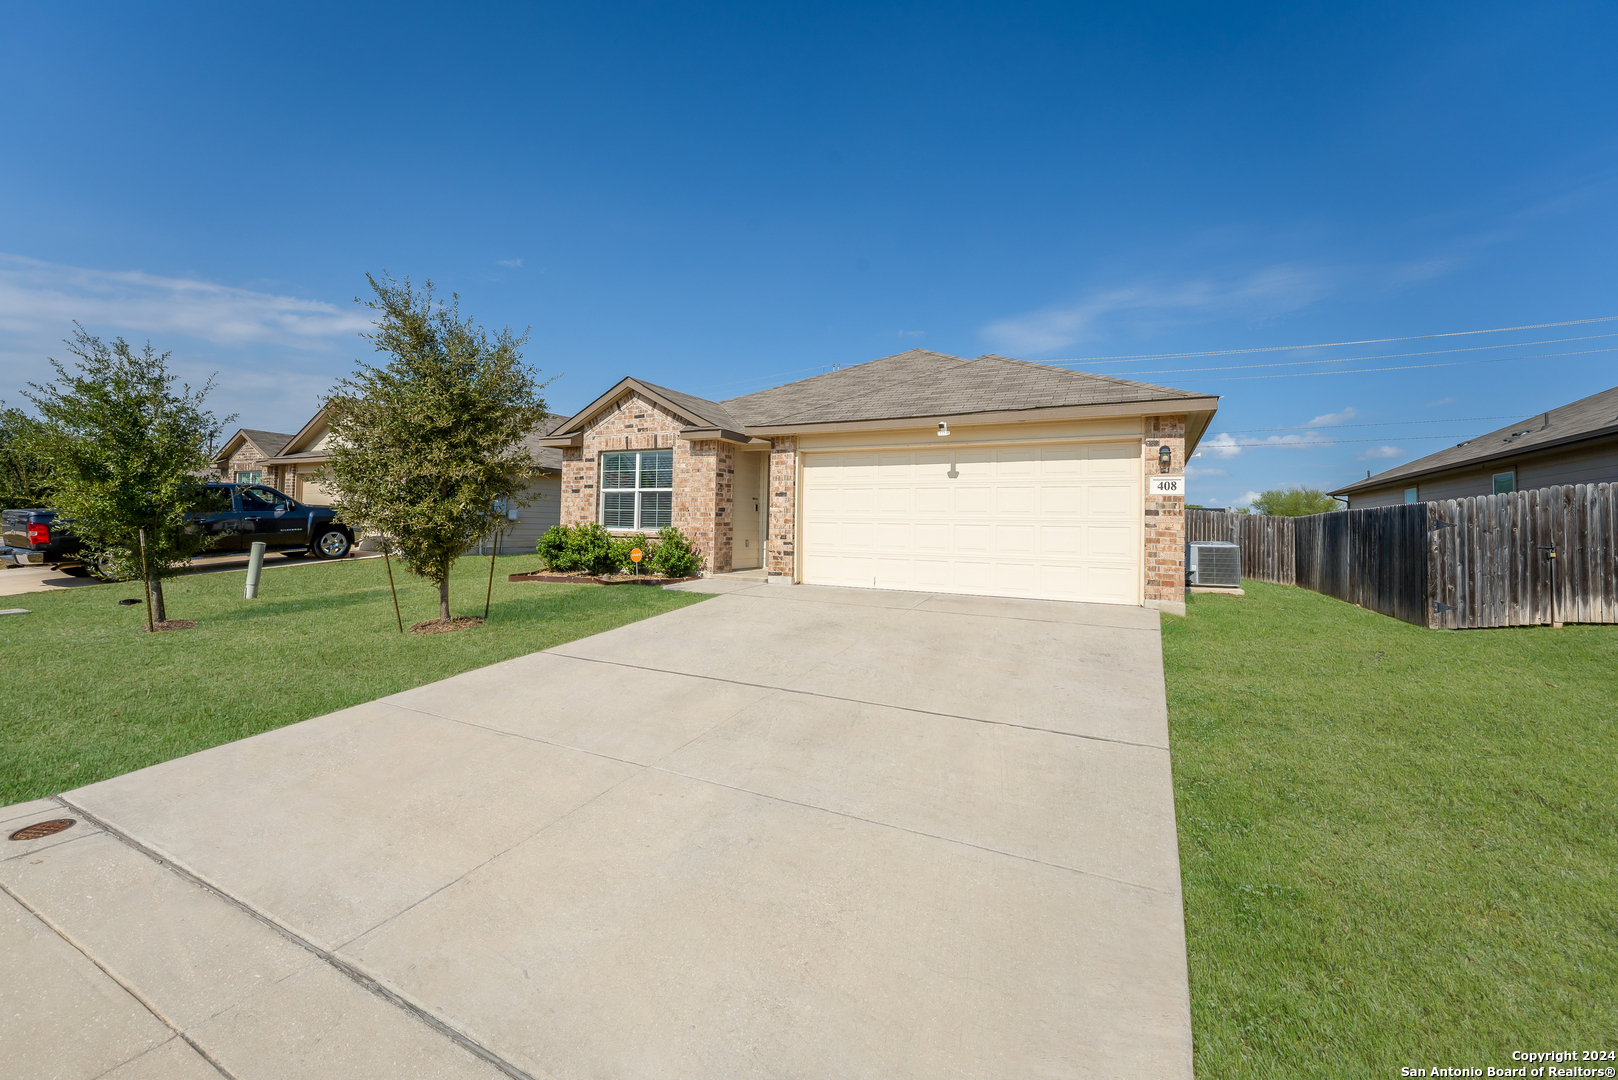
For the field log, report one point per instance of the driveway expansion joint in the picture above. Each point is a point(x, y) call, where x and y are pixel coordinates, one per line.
point(121, 984)
point(343, 967)
point(864, 701)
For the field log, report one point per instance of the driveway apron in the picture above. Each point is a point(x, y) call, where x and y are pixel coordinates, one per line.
point(788, 832)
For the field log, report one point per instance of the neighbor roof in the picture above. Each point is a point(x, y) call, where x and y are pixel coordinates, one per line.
point(924, 383)
point(269, 443)
point(1588, 418)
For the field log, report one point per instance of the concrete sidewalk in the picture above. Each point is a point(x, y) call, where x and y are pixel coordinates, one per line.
point(786, 832)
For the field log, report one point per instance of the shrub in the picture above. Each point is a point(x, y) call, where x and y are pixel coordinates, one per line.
point(674, 556)
point(587, 549)
point(623, 545)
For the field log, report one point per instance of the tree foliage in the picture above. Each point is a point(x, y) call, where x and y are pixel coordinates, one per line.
point(125, 452)
point(1295, 502)
point(23, 473)
point(427, 449)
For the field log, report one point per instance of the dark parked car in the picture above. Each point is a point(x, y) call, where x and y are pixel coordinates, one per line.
point(245, 513)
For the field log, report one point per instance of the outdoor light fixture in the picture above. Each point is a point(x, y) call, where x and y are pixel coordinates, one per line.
point(943, 429)
point(1165, 458)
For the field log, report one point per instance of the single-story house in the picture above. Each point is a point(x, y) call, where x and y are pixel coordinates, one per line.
point(1574, 444)
point(922, 471)
point(294, 467)
point(241, 459)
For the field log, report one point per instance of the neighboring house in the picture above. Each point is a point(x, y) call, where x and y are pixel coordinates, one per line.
point(302, 458)
point(920, 471)
point(242, 459)
point(1575, 444)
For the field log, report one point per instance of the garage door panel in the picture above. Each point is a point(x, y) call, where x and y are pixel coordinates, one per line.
point(1017, 540)
point(1113, 501)
point(893, 535)
point(895, 500)
point(1110, 542)
point(974, 539)
point(974, 500)
point(1060, 521)
point(933, 537)
point(1018, 499)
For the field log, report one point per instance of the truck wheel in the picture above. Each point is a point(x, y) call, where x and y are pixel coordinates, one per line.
point(331, 543)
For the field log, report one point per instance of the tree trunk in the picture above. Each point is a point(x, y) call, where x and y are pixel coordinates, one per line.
point(443, 599)
point(157, 599)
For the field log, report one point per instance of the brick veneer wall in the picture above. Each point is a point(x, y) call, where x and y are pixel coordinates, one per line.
point(1165, 514)
point(247, 459)
point(704, 473)
point(780, 555)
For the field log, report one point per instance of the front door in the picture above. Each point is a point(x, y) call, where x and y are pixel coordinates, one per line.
point(747, 541)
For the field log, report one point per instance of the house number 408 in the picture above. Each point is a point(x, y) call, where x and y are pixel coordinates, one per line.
point(1168, 485)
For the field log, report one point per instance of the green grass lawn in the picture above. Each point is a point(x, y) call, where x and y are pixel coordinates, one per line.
point(88, 696)
point(1399, 845)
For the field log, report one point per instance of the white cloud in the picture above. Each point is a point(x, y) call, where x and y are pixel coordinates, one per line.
point(515, 264)
point(1380, 452)
point(1149, 307)
point(912, 333)
point(1194, 471)
point(1226, 445)
point(39, 298)
point(1327, 419)
point(1442, 401)
point(1247, 499)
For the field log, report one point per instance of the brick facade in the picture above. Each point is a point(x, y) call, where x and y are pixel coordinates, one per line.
point(780, 553)
point(1165, 514)
point(704, 473)
point(247, 458)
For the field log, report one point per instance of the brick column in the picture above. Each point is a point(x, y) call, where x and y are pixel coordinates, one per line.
point(780, 556)
point(1165, 516)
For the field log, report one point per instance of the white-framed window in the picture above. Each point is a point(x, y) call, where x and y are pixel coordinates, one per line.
point(1411, 495)
point(637, 489)
point(254, 477)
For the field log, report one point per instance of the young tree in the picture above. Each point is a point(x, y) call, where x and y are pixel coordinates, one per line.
point(125, 451)
point(425, 448)
point(22, 472)
point(1295, 502)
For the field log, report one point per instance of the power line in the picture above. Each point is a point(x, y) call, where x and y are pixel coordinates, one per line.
point(1302, 443)
point(1406, 367)
point(1383, 356)
point(1388, 423)
point(1328, 344)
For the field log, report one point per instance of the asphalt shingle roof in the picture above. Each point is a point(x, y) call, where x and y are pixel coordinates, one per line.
point(925, 383)
point(547, 457)
point(270, 442)
point(1585, 418)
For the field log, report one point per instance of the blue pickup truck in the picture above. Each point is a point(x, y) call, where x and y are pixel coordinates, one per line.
point(245, 513)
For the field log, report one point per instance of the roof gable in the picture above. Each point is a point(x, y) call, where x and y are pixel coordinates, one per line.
point(267, 443)
point(1587, 418)
point(697, 412)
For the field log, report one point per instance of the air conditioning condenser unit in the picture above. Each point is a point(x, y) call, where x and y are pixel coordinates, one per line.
point(1214, 562)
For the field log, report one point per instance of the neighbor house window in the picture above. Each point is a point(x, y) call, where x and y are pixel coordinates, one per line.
point(1410, 495)
point(637, 489)
point(1505, 483)
point(254, 477)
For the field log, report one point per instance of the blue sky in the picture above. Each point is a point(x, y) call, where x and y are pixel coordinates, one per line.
point(722, 198)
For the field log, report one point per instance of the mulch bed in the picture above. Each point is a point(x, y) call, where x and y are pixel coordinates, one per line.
point(446, 626)
point(607, 579)
point(171, 624)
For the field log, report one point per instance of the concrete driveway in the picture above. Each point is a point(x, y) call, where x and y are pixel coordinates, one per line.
point(788, 832)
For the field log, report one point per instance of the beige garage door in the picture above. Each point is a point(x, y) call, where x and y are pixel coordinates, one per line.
point(311, 492)
point(1056, 522)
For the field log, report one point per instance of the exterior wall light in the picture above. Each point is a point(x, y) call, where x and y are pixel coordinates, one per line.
point(943, 429)
point(1165, 458)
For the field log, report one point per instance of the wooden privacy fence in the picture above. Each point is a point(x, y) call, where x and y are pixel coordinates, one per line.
point(1457, 564)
